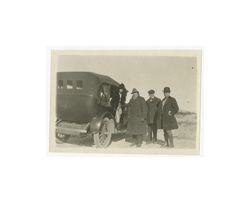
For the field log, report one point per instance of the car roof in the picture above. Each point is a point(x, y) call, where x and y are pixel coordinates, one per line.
point(99, 77)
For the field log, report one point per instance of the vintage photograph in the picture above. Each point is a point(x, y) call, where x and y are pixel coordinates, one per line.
point(126, 101)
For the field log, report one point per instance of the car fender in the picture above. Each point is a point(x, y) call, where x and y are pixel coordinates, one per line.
point(96, 122)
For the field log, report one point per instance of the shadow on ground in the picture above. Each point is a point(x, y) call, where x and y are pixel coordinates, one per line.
point(88, 140)
point(184, 136)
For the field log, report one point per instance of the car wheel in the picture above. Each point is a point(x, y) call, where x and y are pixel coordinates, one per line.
point(102, 139)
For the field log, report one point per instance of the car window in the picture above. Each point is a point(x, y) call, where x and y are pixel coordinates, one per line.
point(79, 84)
point(60, 84)
point(69, 84)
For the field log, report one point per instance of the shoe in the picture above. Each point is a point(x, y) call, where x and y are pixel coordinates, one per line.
point(165, 145)
point(132, 145)
point(154, 141)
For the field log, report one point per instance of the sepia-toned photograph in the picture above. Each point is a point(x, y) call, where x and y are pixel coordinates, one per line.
point(125, 101)
point(129, 102)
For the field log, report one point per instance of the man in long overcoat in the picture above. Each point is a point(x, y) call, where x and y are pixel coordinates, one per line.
point(166, 117)
point(137, 115)
point(152, 104)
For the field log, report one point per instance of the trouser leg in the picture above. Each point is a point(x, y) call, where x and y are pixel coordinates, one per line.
point(135, 139)
point(171, 138)
point(139, 140)
point(120, 124)
point(166, 137)
point(150, 129)
point(155, 132)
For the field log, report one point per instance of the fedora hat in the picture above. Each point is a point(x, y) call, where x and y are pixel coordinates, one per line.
point(121, 86)
point(134, 91)
point(151, 92)
point(166, 89)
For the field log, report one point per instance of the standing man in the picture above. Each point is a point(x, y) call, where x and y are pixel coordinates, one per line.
point(166, 117)
point(137, 115)
point(152, 104)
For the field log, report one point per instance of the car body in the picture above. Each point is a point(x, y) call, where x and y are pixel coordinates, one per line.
point(85, 105)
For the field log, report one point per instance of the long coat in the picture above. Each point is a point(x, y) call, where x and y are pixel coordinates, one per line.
point(118, 98)
point(137, 115)
point(164, 120)
point(153, 105)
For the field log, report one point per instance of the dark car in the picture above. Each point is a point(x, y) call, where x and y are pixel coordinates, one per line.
point(86, 104)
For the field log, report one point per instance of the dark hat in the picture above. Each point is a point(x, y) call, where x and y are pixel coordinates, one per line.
point(121, 86)
point(166, 89)
point(134, 91)
point(151, 92)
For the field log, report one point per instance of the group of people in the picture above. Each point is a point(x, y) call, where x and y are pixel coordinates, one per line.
point(146, 117)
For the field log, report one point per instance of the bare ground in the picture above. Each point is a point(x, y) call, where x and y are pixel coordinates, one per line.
point(184, 137)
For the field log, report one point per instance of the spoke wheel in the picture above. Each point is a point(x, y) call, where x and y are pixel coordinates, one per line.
point(102, 139)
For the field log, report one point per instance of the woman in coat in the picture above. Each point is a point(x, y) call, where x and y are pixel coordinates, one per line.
point(137, 116)
point(166, 117)
point(119, 102)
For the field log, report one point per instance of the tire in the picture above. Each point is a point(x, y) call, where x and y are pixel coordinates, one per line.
point(103, 138)
point(62, 137)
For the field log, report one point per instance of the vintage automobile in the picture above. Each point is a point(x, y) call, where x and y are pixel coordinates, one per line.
point(85, 105)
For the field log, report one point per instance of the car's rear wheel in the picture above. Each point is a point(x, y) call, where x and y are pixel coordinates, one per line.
point(62, 137)
point(102, 139)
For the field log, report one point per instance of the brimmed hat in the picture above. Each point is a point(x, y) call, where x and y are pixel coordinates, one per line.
point(134, 91)
point(166, 89)
point(121, 86)
point(151, 92)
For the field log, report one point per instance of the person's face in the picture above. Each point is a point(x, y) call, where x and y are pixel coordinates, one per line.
point(166, 94)
point(135, 95)
point(151, 95)
point(120, 90)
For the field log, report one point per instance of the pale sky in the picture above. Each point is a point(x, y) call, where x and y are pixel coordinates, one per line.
point(143, 73)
